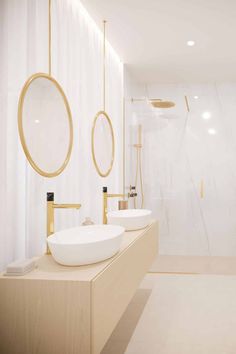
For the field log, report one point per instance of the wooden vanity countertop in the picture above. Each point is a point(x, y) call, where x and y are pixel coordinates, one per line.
point(48, 269)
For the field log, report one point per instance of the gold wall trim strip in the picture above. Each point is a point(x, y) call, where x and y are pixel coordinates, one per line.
point(202, 189)
point(187, 104)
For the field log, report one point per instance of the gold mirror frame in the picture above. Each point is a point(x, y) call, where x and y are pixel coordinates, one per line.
point(102, 112)
point(21, 130)
point(105, 174)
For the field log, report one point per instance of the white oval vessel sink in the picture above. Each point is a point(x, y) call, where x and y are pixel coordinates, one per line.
point(130, 219)
point(85, 244)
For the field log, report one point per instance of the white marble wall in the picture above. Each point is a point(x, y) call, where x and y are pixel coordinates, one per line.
point(181, 151)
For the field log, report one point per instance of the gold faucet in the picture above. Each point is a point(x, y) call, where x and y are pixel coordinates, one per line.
point(50, 213)
point(123, 202)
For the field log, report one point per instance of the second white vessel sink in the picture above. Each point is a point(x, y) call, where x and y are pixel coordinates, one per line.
point(85, 244)
point(130, 219)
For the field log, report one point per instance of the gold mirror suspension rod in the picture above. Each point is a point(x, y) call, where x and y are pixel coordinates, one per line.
point(104, 65)
point(49, 38)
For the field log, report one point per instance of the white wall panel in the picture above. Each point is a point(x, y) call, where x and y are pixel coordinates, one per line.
point(179, 153)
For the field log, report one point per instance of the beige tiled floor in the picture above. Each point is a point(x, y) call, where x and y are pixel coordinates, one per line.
point(179, 314)
point(195, 264)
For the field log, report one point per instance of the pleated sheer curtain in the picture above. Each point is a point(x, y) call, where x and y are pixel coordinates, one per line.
point(77, 65)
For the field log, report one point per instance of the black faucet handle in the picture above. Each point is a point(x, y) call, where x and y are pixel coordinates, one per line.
point(132, 195)
point(104, 189)
point(132, 188)
point(50, 196)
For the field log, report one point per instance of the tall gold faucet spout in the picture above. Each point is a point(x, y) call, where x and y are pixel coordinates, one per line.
point(105, 199)
point(50, 213)
point(66, 206)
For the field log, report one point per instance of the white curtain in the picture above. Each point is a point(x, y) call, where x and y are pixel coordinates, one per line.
point(77, 65)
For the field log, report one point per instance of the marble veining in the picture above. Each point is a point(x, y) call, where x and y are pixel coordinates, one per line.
point(181, 150)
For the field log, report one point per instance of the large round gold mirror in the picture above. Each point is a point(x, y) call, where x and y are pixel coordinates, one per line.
point(45, 125)
point(103, 144)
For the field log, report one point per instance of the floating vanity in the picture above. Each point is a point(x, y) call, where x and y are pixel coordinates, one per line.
point(72, 310)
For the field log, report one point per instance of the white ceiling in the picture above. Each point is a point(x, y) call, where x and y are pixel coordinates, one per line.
point(150, 37)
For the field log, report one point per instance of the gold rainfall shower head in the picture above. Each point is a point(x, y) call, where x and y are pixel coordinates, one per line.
point(158, 103)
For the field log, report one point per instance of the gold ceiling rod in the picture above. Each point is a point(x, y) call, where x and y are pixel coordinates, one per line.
point(104, 65)
point(49, 38)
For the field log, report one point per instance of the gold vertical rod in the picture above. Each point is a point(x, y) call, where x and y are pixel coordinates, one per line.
point(104, 207)
point(49, 38)
point(202, 189)
point(186, 102)
point(50, 221)
point(104, 65)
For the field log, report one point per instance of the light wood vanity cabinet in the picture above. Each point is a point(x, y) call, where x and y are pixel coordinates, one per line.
point(72, 310)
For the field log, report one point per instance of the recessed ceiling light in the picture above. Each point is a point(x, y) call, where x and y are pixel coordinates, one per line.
point(36, 121)
point(196, 97)
point(206, 115)
point(212, 131)
point(190, 43)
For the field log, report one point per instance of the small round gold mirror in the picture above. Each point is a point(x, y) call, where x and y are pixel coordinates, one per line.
point(45, 125)
point(103, 144)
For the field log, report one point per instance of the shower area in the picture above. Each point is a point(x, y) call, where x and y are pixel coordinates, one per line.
point(188, 163)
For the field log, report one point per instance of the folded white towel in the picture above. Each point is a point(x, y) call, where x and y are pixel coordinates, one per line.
point(20, 267)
